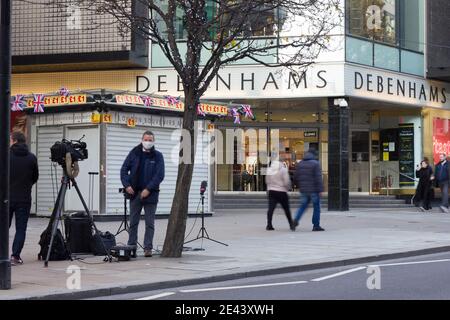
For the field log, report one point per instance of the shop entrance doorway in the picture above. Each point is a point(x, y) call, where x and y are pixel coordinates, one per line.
point(359, 161)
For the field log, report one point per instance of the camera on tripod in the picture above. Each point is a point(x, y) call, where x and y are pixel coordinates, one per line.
point(76, 148)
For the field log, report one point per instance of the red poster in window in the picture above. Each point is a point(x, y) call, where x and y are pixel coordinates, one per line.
point(441, 138)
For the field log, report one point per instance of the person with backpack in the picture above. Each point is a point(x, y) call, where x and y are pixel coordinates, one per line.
point(24, 173)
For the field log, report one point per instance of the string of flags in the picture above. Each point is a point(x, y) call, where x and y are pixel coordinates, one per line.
point(18, 103)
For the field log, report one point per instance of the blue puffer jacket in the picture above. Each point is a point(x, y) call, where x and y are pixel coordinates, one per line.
point(308, 175)
point(154, 172)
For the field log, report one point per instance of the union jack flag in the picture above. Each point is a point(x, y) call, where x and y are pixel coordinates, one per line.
point(247, 111)
point(64, 92)
point(17, 103)
point(236, 115)
point(200, 112)
point(148, 101)
point(38, 102)
point(172, 100)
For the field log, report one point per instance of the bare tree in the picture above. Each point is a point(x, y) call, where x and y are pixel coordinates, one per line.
point(219, 32)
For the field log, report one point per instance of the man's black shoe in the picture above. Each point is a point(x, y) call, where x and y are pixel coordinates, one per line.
point(318, 229)
point(269, 228)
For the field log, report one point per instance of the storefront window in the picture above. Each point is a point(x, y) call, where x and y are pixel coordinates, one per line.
point(373, 19)
point(441, 138)
point(412, 25)
point(262, 23)
point(387, 34)
point(396, 148)
point(287, 128)
point(247, 172)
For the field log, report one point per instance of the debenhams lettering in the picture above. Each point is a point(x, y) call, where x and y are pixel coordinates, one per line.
point(249, 81)
point(400, 88)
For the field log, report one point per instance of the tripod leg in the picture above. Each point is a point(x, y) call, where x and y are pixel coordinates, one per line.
point(74, 183)
point(56, 216)
point(202, 232)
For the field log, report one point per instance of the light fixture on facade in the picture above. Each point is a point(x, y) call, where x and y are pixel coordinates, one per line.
point(341, 103)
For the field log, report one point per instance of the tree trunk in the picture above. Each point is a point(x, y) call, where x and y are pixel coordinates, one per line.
point(176, 228)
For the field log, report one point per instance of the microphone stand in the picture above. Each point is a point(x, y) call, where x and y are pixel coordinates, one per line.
point(202, 233)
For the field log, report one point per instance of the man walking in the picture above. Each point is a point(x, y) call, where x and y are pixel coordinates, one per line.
point(24, 173)
point(141, 174)
point(442, 177)
point(308, 177)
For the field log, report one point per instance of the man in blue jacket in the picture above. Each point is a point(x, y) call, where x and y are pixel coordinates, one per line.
point(308, 178)
point(141, 174)
point(442, 176)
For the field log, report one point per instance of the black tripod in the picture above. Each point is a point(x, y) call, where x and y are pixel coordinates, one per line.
point(124, 226)
point(57, 210)
point(202, 232)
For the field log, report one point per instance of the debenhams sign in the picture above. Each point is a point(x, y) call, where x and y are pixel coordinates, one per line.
point(318, 81)
point(396, 88)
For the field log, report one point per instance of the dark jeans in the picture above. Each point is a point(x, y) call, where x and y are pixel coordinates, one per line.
point(444, 191)
point(22, 213)
point(305, 199)
point(276, 197)
point(136, 206)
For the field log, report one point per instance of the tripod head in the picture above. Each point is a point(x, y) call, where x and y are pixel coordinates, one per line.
point(125, 193)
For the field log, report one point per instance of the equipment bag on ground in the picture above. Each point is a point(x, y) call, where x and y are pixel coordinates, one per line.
point(59, 249)
point(102, 242)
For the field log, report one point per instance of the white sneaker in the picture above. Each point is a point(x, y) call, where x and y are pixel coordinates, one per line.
point(444, 209)
point(422, 209)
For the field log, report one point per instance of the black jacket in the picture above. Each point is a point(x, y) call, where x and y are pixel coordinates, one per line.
point(308, 175)
point(425, 183)
point(153, 172)
point(24, 172)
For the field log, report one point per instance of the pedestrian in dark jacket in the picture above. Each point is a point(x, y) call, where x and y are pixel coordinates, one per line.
point(141, 174)
point(24, 173)
point(442, 176)
point(308, 177)
point(424, 188)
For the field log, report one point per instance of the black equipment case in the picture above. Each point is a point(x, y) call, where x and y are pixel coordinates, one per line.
point(78, 229)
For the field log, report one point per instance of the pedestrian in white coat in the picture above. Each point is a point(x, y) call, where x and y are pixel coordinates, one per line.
point(278, 184)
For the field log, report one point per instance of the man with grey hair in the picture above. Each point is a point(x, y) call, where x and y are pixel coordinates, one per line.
point(141, 174)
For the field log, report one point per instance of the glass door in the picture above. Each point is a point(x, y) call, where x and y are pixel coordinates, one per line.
point(359, 166)
point(294, 143)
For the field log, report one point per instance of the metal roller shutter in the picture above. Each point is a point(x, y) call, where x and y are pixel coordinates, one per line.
point(47, 189)
point(121, 139)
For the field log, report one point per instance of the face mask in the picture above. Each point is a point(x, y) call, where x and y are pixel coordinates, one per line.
point(147, 144)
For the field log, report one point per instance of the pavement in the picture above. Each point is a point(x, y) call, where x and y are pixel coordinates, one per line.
point(357, 236)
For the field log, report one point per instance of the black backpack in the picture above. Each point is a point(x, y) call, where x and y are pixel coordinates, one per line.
point(59, 249)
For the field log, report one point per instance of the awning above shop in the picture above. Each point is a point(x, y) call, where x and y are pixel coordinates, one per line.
point(104, 100)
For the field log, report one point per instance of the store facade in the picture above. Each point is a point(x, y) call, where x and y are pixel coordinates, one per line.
point(369, 106)
point(387, 120)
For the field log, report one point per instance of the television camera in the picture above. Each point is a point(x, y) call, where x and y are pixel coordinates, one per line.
point(75, 149)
